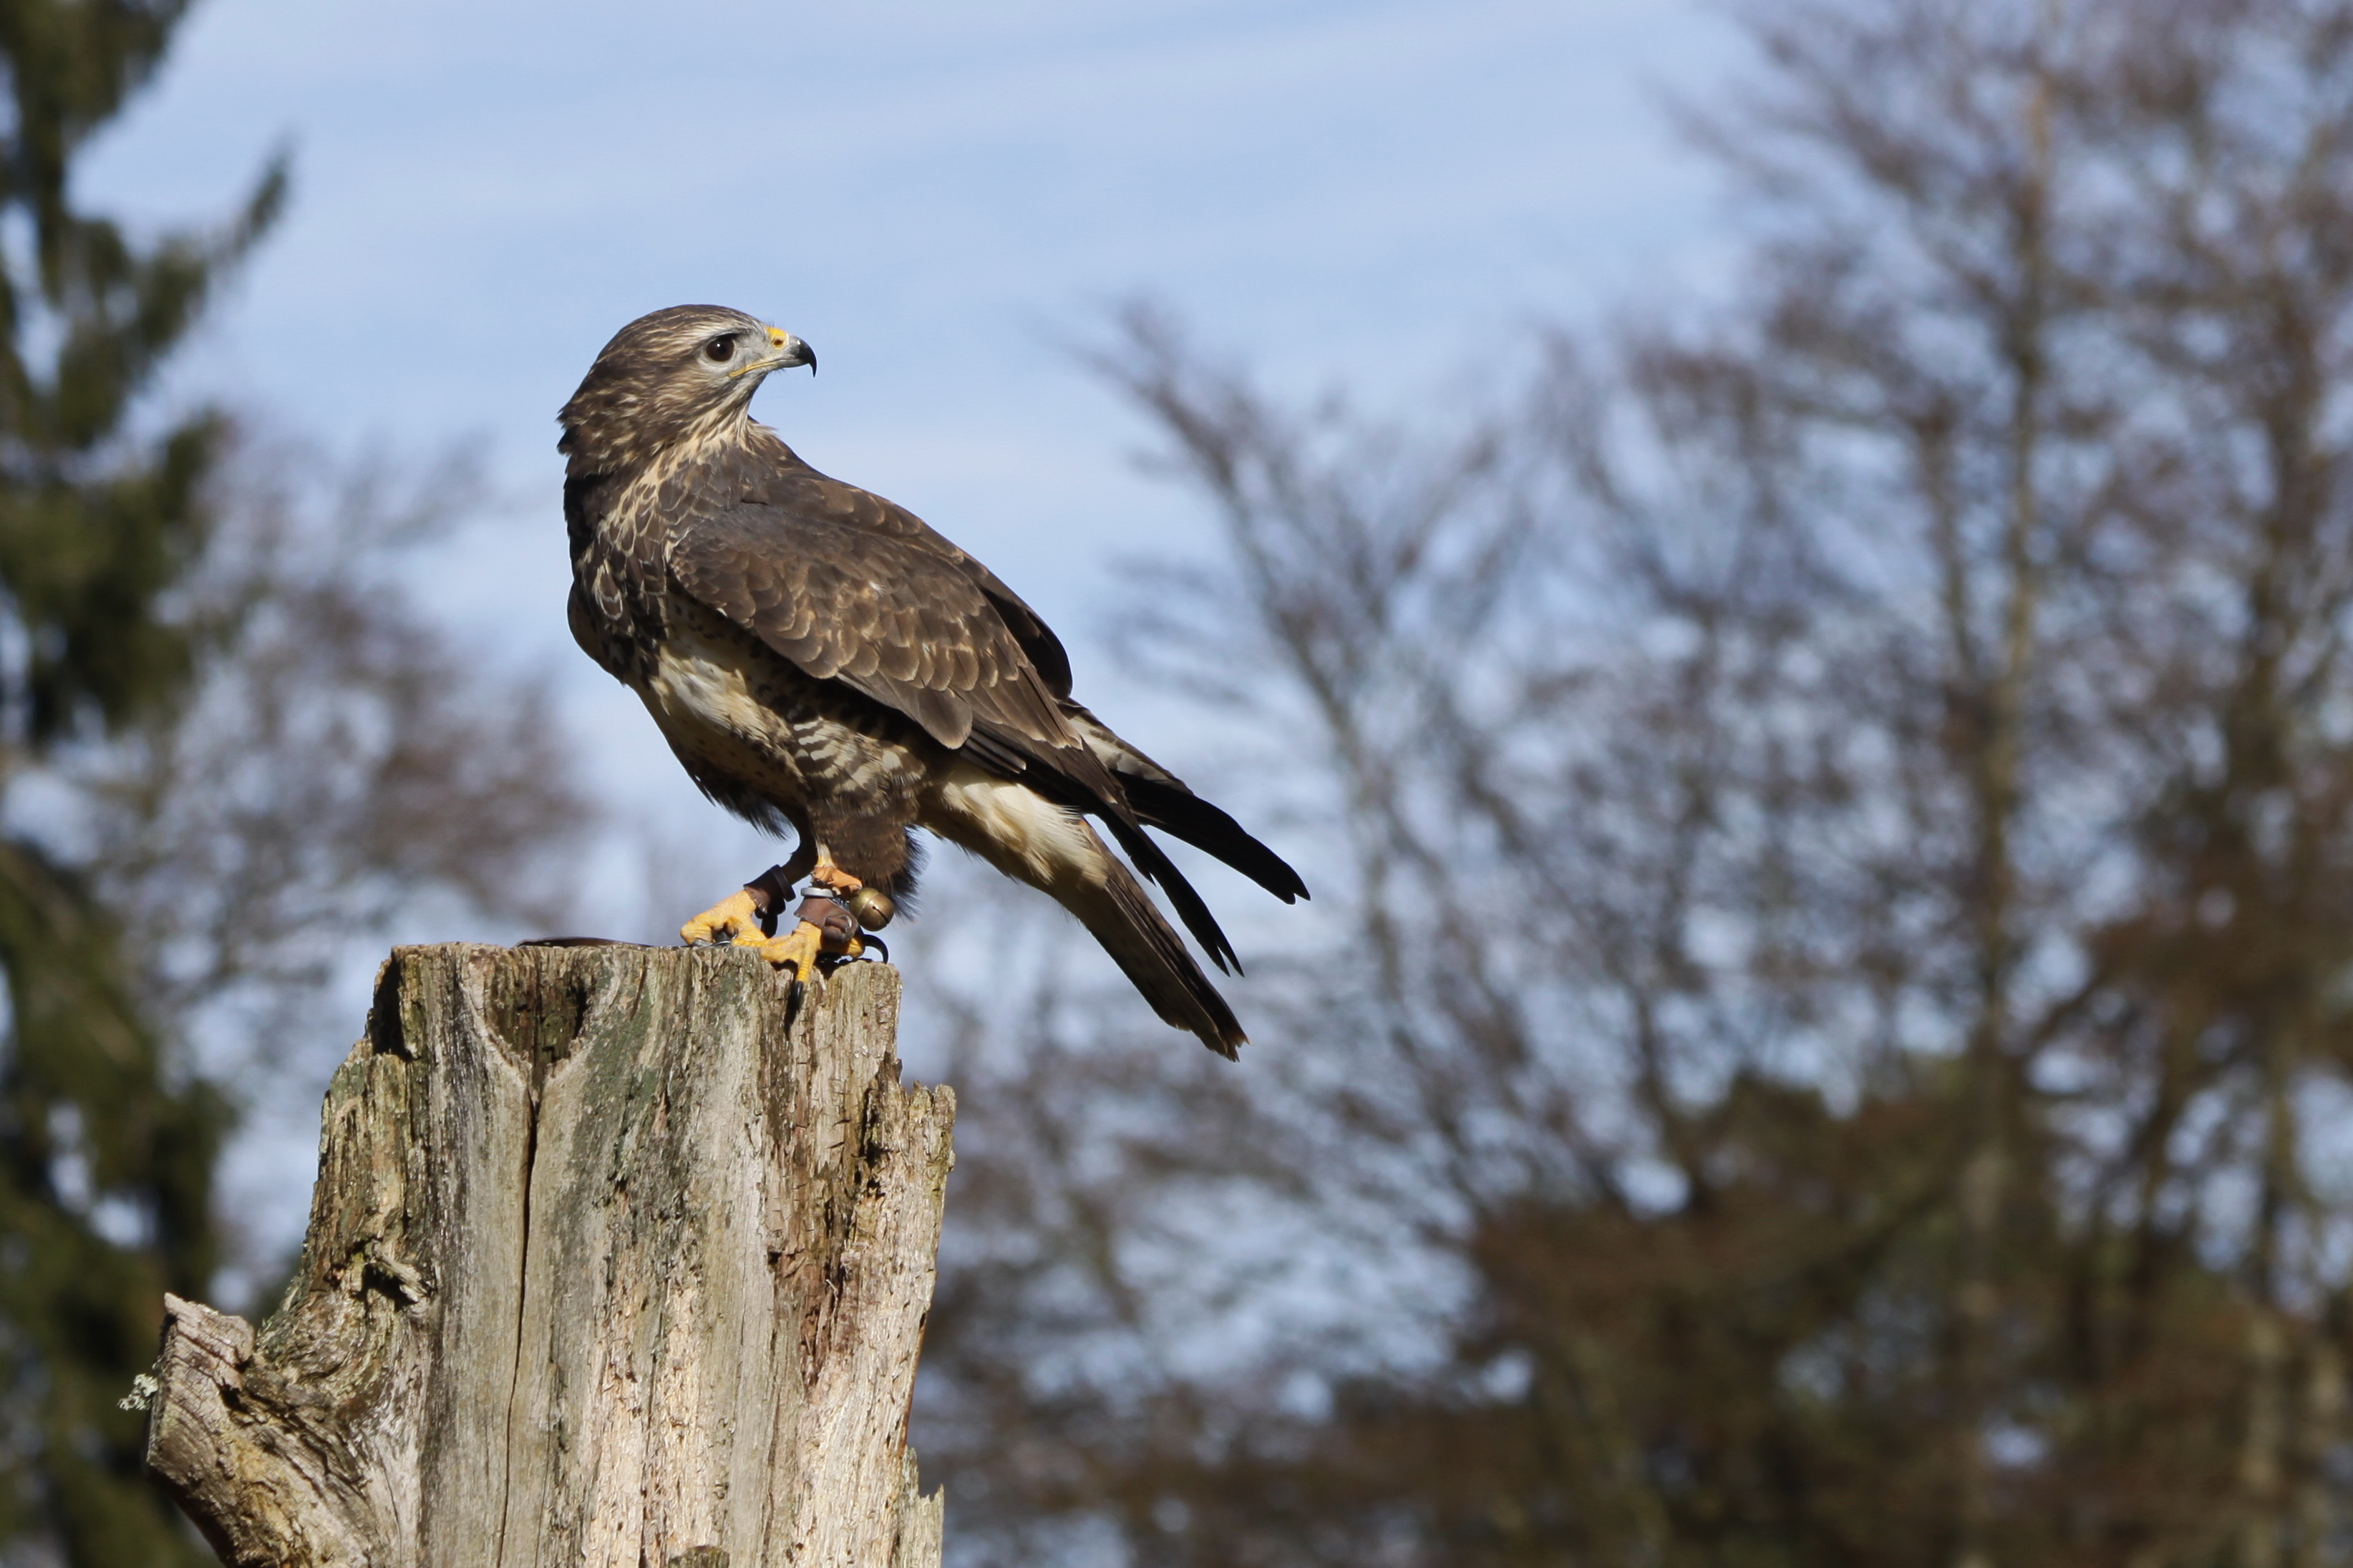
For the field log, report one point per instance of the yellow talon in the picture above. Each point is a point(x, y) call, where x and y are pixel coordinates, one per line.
point(833, 879)
point(799, 947)
point(736, 920)
point(727, 921)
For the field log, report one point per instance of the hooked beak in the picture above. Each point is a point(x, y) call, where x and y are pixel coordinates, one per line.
point(785, 351)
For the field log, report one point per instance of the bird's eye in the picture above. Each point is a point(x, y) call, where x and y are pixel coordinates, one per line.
point(718, 350)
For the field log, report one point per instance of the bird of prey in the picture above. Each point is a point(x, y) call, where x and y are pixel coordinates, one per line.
point(819, 658)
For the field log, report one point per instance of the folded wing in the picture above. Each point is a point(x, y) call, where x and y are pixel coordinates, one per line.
point(853, 589)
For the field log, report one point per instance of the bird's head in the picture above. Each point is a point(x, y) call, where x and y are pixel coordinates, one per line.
point(673, 375)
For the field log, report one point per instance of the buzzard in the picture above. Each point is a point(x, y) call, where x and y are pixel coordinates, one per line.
point(819, 658)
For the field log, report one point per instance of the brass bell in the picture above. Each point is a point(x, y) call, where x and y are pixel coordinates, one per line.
point(872, 906)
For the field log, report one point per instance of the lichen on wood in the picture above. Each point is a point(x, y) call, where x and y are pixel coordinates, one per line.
point(616, 1258)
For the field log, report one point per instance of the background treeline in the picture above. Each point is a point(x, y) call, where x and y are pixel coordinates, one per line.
point(1825, 1035)
point(1833, 816)
point(230, 746)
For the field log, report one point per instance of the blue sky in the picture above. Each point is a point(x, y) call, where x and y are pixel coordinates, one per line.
point(1383, 196)
point(933, 194)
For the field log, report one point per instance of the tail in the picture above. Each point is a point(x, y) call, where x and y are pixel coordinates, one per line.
point(1054, 849)
point(1159, 799)
point(1118, 913)
point(1168, 805)
point(1154, 862)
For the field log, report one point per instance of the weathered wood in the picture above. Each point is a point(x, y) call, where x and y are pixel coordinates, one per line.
point(610, 1264)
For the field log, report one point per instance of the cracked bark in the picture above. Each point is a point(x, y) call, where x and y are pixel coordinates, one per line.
point(610, 1262)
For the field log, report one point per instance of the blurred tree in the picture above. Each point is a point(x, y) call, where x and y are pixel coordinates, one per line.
point(1843, 819)
point(223, 725)
point(105, 1158)
point(338, 759)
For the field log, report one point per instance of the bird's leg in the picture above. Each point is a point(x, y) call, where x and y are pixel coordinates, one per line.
point(822, 929)
point(799, 949)
point(821, 926)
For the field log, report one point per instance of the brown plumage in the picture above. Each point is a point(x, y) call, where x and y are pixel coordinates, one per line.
point(820, 659)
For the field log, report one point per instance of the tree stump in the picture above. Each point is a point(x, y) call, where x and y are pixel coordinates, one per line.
point(614, 1260)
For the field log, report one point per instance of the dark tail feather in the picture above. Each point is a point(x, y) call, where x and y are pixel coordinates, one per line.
point(1154, 862)
point(1121, 915)
point(1178, 811)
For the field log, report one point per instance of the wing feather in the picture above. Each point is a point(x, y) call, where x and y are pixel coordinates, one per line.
point(894, 620)
point(785, 480)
